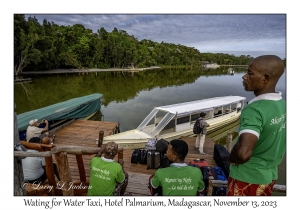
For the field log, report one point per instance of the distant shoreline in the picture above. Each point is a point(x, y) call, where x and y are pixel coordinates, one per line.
point(92, 70)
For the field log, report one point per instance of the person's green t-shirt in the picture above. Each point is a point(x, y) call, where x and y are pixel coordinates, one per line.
point(178, 179)
point(104, 175)
point(265, 117)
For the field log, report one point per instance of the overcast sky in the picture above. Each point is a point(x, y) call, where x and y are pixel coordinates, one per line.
point(253, 34)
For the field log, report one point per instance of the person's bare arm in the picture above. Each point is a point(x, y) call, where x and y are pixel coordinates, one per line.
point(242, 150)
point(46, 127)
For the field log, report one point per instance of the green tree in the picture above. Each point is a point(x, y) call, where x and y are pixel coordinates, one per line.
point(26, 37)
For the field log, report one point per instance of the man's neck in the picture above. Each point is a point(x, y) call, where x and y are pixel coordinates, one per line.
point(264, 91)
point(108, 156)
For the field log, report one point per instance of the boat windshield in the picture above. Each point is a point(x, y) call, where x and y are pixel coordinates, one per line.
point(147, 119)
point(166, 119)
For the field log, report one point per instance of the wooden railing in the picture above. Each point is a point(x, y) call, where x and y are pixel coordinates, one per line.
point(60, 153)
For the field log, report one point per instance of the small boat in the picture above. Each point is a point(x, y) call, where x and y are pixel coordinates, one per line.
point(61, 113)
point(231, 71)
point(211, 65)
point(177, 120)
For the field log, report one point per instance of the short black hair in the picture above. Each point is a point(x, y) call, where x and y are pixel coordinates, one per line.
point(180, 148)
point(202, 114)
point(35, 140)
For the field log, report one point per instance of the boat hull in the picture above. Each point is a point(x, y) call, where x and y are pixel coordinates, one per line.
point(131, 139)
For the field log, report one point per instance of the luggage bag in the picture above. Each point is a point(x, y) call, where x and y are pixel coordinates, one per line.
point(153, 159)
point(208, 171)
point(226, 167)
point(220, 191)
point(218, 174)
point(143, 156)
point(162, 146)
point(151, 144)
point(135, 156)
point(199, 162)
point(194, 165)
point(165, 162)
point(220, 154)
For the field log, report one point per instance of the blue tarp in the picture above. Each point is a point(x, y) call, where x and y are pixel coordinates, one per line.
point(72, 109)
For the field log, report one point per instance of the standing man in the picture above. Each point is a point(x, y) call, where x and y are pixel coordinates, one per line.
point(201, 137)
point(262, 136)
point(33, 129)
point(107, 177)
point(178, 178)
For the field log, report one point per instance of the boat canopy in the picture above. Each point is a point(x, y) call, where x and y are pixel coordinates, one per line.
point(200, 105)
point(72, 109)
point(184, 109)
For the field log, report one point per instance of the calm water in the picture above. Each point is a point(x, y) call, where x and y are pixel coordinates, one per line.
point(128, 99)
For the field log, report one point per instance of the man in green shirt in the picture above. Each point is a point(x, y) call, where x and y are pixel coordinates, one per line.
point(178, 178)
point(107, 177)
point(262, 136)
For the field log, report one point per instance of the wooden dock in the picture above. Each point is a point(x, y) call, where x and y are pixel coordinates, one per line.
point(85, 133)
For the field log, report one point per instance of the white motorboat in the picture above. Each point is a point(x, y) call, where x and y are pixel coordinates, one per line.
point(231, 71)
point(177, 120)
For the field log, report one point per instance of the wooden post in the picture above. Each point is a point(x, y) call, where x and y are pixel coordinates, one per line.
point(18, 170)
point(50, 174)
point(120, 153)
point(64, 173)
point(228, 142)
point(81, 168)
point(100, 140)
point(210, 186)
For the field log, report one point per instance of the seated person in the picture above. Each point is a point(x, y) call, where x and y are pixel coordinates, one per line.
point(107, 177)
point(33, 129)
point(178, 178)
point(34, 167)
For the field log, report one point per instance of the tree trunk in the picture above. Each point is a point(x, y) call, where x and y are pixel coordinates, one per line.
point(18, 171)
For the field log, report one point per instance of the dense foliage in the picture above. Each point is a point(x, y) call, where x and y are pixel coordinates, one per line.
point(50, 46)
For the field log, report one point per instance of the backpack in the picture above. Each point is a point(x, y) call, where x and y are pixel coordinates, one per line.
point(143, 157)
point(151, 144)
point(136, 155)
point(197, 129)
point(162, 146)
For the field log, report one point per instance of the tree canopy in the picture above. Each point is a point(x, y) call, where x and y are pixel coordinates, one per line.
point(50, 46)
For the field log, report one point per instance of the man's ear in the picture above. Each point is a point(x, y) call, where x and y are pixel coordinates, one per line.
point(267, 77)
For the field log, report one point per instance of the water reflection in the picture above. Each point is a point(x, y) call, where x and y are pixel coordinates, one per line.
point(115, 86)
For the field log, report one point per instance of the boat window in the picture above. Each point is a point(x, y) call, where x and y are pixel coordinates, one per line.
point(170, 125)
point(182, 120)
point(167, 118)
point(147, 119)
point(194, 117)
